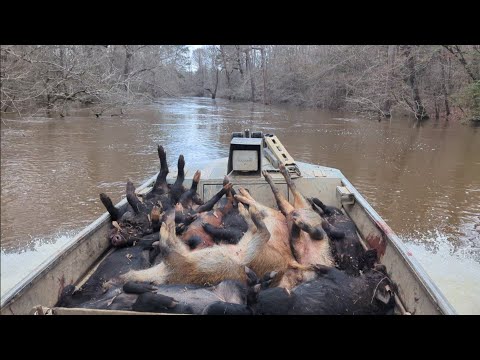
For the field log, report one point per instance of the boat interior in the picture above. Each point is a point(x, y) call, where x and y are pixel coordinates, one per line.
point(250, 154)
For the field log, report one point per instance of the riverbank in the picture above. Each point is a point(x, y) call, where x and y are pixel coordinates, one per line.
point(100, 111)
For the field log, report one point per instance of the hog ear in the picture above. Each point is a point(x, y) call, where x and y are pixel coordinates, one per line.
point(116, 225)
point(252, 278)
point(317, 209)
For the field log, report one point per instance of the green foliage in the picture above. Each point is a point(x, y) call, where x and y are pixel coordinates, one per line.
point(469, 99)
point(475, 100)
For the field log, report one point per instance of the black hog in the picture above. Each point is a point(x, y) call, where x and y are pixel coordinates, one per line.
point(332, 293)
point(194, 217)
point(222, 225)
point(120, 261)
point(232, 225)
point(136, 222)
point(192, 299)
point(143, 217)
point(229, 297)
point(162, 194)
point(347, 249)
point(203, 226)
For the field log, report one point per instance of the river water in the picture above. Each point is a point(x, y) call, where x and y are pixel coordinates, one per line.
point(423, 179)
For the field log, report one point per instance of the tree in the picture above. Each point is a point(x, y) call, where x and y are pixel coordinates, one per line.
point(36, 78)
point(376, 80)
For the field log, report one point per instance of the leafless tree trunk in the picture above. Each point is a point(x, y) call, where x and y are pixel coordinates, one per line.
point(417, 105)
point(127, 67)
point(387, 107)
point(225, 68)
point(444, 86)
point(249, 69)
point(214, 93)
point(49, 96)
point(264, 70)
point(199, 57)
point(239, 60)
point(436, 106)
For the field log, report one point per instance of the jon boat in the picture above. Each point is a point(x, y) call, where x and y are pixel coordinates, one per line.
point(250, 152)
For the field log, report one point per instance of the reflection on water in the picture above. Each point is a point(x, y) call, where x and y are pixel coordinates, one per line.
point(424, 180)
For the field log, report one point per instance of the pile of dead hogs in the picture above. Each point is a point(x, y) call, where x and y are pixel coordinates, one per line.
point(174, 253)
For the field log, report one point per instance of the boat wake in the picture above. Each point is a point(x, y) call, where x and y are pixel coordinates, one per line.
point(456, 271)
point(16, 266)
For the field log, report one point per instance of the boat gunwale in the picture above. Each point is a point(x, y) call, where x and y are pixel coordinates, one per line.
point(418, 271)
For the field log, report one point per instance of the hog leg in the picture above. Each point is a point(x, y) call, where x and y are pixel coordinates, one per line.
point(332, 231)
point(259, 239)
point(232, 192)
point(156, 218)
point(298, 199)
point(230, 203)
point(177, 188)
point(112, 210)
point(192, 194)
point(171, 247)
point(327, 210)
point(210, 203)
point(132, 287)
point(295, 247)
point(160, 185)
point(135, 203)
point(316, 207)
point(247, 199)
point(315, 232)
point(283, 205)
point(228, 235)
point(151, 302)
point(168, 237)
point(246, 216)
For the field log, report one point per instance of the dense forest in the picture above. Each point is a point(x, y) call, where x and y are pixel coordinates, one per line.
point(427, 81)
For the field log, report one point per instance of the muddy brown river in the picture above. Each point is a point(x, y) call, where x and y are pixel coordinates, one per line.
point(424, 180)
